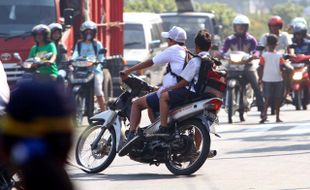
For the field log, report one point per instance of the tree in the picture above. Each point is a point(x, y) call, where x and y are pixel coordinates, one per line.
point(288, 11)
point(223, 13)
point(155, 6)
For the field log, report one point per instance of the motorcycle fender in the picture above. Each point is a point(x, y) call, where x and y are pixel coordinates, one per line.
point(76, 89)
point(109, 119)
point(232, 83)
point(296, 86)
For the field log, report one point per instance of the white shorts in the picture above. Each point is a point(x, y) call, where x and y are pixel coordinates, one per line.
point(98, 84)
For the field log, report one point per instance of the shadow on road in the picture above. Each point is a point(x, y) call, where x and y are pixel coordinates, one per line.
point(261, 156)
point(124, 177)
point(268, 138)
point(297, 147)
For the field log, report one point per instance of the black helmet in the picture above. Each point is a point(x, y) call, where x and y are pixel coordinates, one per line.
point(42, 29)
point(300, 28)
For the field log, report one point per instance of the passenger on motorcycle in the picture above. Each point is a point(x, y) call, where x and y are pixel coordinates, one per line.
point(4, 90)
point(56, 35)
point(41, 34)
point(176, 55)
point(184, 89)
point(302, 44)
point(243, 41)
point(89, 47)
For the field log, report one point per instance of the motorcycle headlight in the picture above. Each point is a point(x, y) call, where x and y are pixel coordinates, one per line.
point(82, 63)
point(232, 83)
point(62, 73)
point(297, 76)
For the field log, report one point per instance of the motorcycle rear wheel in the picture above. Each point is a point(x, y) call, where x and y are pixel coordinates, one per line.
point(176, 167)
point(105, 148)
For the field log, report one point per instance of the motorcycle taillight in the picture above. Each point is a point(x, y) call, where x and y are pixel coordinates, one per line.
point(214, 104)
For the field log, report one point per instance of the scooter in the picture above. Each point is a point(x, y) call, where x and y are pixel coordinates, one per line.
point(183, 152)
point(300, 81)
point(239, 94)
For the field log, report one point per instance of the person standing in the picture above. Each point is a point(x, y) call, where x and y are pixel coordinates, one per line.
point(270, 74)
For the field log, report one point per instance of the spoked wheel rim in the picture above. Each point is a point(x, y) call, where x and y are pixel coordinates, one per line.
point(182, 164)
point(93, 158)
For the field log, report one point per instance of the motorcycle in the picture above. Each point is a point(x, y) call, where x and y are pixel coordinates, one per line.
point(239, 93)
point(300, 81)
point(183, 152)
point(80, 77)
point(9, 179)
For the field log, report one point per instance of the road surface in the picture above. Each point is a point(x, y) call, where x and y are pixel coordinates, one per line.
point(250, 157)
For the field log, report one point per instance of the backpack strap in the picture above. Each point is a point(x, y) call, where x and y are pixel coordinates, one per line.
point(95, 47)
point(188, 55)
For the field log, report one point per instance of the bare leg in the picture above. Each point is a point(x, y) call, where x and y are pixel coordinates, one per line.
point(264, 113)
point(101, 102)
point(137, 106)
point(277, 107)
point(151, 115)
point(164, 109)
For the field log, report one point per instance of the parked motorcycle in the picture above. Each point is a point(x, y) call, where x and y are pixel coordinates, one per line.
point(239, 93)
point(300, 81)
point(183, 152)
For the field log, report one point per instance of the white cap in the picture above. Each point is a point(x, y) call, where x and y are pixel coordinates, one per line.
point(175, 33)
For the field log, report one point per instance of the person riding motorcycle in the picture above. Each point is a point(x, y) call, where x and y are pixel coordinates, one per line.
point(36, 134)
point(56, 35)
point(299, 38)
point(88, 47)
point(41, 34)
point(275, 25)
point(298, 20)
point(176, 55)
point(243, 41)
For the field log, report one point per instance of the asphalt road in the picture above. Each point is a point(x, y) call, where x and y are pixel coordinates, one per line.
point(271, 156)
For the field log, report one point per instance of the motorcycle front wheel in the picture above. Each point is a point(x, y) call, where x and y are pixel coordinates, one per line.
point(80, 102)
point(189, 162)
point(96, 148)
point(297, 100)
point(230, 104)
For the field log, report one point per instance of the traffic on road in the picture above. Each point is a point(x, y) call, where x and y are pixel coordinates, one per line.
point(91, 96)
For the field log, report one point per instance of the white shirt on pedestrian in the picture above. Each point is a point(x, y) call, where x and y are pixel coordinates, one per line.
point(175, 55)
point(272, 62)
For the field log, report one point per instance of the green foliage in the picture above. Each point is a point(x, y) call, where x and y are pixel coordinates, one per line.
point(224, 15)
point(258, 25)
point(288, 11)
point(156, 6)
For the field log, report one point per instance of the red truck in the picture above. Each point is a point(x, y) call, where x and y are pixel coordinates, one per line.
point(17, 18)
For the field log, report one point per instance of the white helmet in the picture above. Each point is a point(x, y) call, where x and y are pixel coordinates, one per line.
point(241, 19)
point(88, 25)
point(55, 26)
point(298, 20)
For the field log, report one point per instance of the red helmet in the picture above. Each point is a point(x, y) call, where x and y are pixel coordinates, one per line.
point(275, 21)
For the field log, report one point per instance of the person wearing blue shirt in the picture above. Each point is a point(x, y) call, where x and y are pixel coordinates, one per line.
point(89, 47)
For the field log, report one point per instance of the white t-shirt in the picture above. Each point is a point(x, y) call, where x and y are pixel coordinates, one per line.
point(191, 71)
point(4, 89)
point(175, 55)
point(272, 62)
point(284, 40)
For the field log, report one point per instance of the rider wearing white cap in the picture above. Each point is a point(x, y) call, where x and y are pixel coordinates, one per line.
point(176, 57)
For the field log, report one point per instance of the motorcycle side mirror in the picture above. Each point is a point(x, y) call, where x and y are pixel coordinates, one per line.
point(102, 51)
point(293, 46)
point(260, 48)
point(17, 56)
